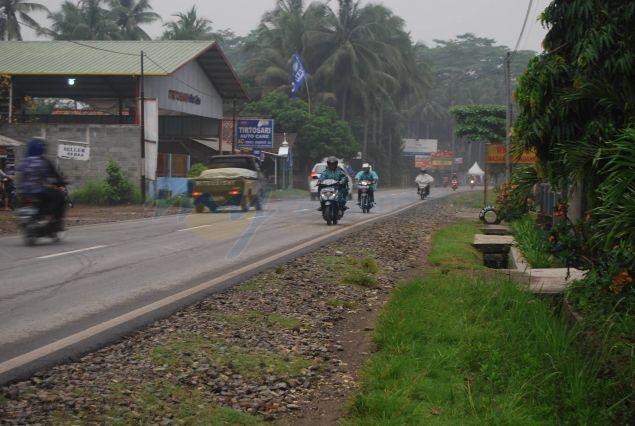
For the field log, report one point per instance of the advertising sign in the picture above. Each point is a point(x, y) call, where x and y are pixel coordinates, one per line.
point(422, 161)
point(496, 155)
point(73, 152)
point(419, 146)
point(254, 133)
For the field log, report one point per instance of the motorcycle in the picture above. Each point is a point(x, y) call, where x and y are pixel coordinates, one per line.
point(364, 195)
point(423, 190)
point(472, 183)
point(10, 193)
point(455, 184)
point(34, 222)
point(329, 201)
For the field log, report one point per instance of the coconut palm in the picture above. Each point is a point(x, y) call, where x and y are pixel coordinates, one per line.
point(14, 11)
point(86, 20)
point(130, 14)
point(282, 32)
point(189, 26)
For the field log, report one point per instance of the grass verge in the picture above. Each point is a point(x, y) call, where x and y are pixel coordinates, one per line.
point(471, 347)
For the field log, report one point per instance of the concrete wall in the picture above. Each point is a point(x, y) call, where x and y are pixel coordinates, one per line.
point(120, 143)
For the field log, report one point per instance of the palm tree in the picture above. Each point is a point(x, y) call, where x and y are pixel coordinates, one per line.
point(282, 32)
point(14, 11)
point(350, 49)
point(86, 20)
point(189, 26)
point(129, 14)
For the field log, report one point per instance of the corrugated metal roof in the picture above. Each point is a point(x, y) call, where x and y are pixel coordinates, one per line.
point(97, 57)
point(118, 58)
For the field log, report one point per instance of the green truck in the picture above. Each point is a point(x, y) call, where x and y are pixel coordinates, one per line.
point(229, 180)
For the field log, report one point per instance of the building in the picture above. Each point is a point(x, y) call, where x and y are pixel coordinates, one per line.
point(183, 85)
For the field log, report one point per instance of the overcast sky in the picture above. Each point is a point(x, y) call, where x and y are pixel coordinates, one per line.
point(426, 20)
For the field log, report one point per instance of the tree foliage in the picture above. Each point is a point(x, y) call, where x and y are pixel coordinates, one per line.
point(14, 11)
point(577, 105)
point(480, 122)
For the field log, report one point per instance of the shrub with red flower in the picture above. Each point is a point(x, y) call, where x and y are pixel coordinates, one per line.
point(620, 281)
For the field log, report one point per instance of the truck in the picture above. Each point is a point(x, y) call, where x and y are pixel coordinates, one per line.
point(229, 180)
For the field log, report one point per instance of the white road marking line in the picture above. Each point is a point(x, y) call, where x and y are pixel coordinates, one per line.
point(193, 227)
point(70, 252)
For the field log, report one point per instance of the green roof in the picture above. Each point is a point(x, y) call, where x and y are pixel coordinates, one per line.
point(118, 58)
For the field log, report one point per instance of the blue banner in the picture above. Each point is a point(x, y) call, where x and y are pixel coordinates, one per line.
point(297, 75)
point(254, 133)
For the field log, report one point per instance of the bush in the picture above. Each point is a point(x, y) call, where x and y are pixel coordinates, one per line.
point(119, 189)
point(115, 189)
point(196, 170)
point(93, 192)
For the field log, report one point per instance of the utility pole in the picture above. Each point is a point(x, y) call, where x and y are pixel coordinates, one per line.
point(143, 135)
point(508, 121)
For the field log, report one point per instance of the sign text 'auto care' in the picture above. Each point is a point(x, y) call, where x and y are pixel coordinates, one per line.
point(256, 133)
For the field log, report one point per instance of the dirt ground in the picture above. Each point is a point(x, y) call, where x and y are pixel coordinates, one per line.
point(85, 215)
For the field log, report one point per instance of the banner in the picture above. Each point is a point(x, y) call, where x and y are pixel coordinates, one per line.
point(297, 75)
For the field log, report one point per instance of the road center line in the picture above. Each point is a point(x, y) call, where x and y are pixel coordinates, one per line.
point(70, 252)
point(193, 227)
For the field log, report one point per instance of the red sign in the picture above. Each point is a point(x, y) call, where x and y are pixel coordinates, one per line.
point(496, 155)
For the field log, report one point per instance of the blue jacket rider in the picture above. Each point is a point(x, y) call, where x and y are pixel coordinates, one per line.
point(334, 172)
point(367, 174)
point(39, 179)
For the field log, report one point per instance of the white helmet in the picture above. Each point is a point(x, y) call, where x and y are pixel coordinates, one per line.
point(366, 167)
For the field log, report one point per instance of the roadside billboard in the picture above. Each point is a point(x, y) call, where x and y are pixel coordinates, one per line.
point(254, 133)
point(496, 155)
point(418, 146)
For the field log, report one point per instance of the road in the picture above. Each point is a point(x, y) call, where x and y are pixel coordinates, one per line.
point(61, 299)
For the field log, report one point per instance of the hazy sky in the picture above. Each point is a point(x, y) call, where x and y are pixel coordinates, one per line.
point(426, 20)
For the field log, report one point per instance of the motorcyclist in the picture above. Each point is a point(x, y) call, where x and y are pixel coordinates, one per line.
point(423, 177)
point(334, 172)
point(454, 180)
point(40, 180)
point(367, 174)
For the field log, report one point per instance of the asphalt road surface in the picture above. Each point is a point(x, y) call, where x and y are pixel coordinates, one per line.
point(58, 300)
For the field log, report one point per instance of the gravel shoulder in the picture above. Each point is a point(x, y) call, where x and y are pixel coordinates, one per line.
point(333, 337)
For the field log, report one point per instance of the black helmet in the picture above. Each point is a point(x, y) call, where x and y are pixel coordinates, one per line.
point(423, 170)
point(331, 162)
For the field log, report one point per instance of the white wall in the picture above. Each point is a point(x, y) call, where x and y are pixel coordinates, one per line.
point(188, 90)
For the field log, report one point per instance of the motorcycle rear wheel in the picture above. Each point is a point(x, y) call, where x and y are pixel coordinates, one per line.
point(29, 234)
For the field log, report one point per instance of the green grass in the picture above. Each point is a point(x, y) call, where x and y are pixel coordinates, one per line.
point(176, 356)
point(470, 347)
point(452, 249)
point(532, 243)
point(356, 271)
point(263, 319)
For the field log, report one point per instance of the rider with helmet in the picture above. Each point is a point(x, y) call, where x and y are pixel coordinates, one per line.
point(367, 174)
point(40, 179)
point(332, 171)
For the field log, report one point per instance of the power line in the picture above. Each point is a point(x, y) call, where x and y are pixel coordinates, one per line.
point(522, 30)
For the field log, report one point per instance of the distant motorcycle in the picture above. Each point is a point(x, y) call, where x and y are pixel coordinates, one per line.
point(10, 193)
point(35, 222)
point(364, 195)
point(472, 182)
point(329, 201)
point(455, 184)
point(423, 190)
